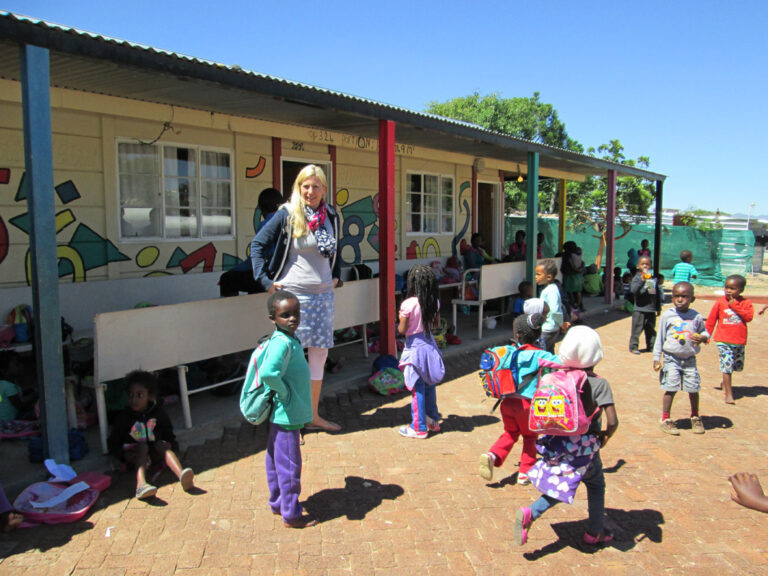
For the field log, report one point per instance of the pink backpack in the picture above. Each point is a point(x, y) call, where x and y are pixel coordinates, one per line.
point(556, 407)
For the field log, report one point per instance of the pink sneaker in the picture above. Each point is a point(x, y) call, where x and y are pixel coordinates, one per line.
point(433, 425)
point(409, 432)
point(523, 521)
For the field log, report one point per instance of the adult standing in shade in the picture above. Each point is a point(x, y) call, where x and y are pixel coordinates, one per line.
point(304, 233)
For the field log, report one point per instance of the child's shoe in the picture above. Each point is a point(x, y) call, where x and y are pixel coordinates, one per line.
point(486, 466)
point(187, 479)
point(697, 425)
point(523, 521)
point(522, 479)
point(409, 432)
point(145, 492)
point(603, 538)
point(668, 426)
point(304, 521)
point(432, 425)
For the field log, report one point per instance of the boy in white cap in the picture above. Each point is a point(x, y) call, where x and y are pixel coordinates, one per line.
point(568, 460)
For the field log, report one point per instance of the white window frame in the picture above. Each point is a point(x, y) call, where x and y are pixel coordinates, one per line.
point(440, 211)
point(160, 183)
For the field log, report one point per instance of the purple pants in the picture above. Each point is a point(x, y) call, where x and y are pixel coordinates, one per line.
point(284, 471)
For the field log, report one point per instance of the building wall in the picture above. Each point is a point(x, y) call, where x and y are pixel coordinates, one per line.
point(86, 129)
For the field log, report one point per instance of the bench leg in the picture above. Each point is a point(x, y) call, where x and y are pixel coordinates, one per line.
point(184, 394)
point(480, 321)
point(364, 328)
point(455, 324)
point(101, 410)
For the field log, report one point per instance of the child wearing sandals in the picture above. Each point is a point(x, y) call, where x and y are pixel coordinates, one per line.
point(568, 460)
point(515, 410)
point(9, 518)
point(731, 314)
point(142, 434)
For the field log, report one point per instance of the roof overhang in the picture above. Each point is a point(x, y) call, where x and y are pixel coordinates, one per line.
point(92, 63)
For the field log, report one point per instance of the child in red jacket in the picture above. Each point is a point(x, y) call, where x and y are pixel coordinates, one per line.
point(731, 314)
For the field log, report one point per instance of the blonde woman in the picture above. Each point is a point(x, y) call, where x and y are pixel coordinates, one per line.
point(304, 234)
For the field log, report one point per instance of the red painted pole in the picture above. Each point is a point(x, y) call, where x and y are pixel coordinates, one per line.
point(387, 311)
point(610, 235)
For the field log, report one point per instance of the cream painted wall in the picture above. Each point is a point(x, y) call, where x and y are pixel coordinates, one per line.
point(86, 128)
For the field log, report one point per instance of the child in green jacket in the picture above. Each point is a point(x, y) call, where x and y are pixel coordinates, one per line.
point(285, 371)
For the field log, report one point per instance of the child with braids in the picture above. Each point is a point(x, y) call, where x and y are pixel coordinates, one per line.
point(515, 410)
point(421, 361)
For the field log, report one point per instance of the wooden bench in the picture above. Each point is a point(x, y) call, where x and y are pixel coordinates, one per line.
point(177, 335)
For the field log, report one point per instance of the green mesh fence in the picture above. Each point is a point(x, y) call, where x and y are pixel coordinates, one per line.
point(716, 253)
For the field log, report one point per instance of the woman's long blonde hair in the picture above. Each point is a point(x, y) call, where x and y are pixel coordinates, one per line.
point(296, 204)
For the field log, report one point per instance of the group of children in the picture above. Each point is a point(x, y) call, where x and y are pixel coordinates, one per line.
point(142, 434)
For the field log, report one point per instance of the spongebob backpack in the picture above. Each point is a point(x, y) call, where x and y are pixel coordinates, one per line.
point(556, 407)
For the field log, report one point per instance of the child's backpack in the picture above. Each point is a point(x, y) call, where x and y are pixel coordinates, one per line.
point(256, 398)
point(387, 381)
point(556, 407)
point(498, 372)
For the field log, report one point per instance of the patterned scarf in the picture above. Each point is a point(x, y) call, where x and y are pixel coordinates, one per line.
point(326, 244)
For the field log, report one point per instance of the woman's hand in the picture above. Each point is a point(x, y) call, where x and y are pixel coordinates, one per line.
point(338, 283)
point(274, 288)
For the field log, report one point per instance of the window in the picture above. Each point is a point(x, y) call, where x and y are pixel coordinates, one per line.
point(429, 204)
point(169, 191)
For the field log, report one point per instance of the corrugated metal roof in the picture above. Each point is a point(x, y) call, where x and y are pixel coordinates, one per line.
point(86, 61)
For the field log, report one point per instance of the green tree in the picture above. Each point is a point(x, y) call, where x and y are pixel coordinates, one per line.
point(586, 201)
point(523, 117)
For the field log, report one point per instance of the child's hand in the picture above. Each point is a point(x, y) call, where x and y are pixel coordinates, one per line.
point(603, 438)
point(656, 365)
point(746, 490)
point(763, 310)
point(697, 338)
point(564, 327)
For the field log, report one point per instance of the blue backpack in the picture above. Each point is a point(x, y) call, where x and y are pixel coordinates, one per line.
point(256, 398)
point(498, 372)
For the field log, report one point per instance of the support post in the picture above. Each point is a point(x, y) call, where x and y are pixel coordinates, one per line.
point(562, 191)
point(474, 199)
point(610, 235)
point(38, 163)
point(532, 216)
point(387, 312)
point(657, 231)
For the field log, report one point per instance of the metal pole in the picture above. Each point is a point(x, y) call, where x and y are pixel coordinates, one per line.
point(387, 311)
point(38, 162)
point(532, 216)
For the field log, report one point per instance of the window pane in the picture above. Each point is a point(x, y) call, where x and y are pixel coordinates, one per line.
point(136, 159)
point(214, 165)
point(180, 223)
point(180, 193)
point(448, 187)
point(414, 183)
point(415, 202)
point(431, 184)
point(430, 205)
point(179, 162)
point(430, 224)
point(447, 224)
point(215, 194)
point(217, 222)
point(415, 223)
point(138, 190)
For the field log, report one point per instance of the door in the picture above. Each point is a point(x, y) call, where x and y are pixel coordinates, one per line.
point(488, 216)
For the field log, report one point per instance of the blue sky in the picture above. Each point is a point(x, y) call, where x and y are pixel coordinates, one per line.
point(682, 82)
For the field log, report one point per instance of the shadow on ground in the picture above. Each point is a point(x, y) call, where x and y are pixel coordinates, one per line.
point(749, 391)
point(358, 497)
point(629, 527)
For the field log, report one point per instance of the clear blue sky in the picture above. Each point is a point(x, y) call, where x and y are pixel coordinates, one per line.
point(683, 82)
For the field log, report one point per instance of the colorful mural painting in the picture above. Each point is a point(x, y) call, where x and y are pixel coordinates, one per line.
point(358, 216)
point(458, 244)
point(256, 170)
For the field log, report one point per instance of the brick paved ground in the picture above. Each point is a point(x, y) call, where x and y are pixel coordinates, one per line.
point(389, 505)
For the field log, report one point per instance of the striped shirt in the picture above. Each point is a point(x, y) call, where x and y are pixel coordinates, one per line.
point(684, 272)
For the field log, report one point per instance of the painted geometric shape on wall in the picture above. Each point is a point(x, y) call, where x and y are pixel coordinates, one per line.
point(464, 209)
point(5, 175)
point(373, 237)
point(3, 240)
point(155, 273)
point(21, 191)
point(175, 260)
point(413, 251)
point(228, 261)
point(363, 209)
point(93, 249)
point(67, 192)
point(256, 170)
point(21, 222)
point(256, 219)
point(205, 254)
point(147, 256)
